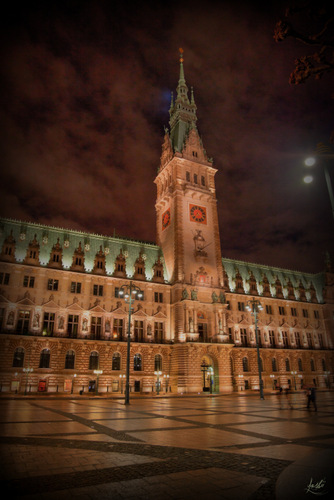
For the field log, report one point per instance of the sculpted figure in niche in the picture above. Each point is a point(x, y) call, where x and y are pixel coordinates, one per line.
point(85, 324)
point(185, 294)
point(191, 325)
point(61, 323)
point(10, 319)
point(107, 326)
point(214, 297)
point(199, 242)
point(36, 321)
point(193, 294)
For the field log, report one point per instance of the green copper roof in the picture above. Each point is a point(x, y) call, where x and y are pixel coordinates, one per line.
point(24, 232)
point(272, 273)
point(182, 112)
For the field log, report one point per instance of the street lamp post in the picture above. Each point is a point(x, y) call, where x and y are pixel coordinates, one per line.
point(272, 379)
point(254, 306)
point(323, 152)
point(97, 373)
point(327, 374)
point(72, 386)
point(294, 373)
point(130, 292)
point(166, 378)
point(158, 373)
point(27, 371)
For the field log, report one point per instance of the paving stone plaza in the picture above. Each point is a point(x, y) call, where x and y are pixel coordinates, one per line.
point(208, 447)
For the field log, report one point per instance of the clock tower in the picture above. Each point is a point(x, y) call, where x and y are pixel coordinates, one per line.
point(186, 207)
point(187, 223)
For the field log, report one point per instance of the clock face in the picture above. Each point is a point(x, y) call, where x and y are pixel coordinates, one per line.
point(197, 214)
point(165, 219)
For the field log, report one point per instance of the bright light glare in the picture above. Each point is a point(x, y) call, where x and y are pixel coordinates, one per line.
point(309, 162)
point(308, 179)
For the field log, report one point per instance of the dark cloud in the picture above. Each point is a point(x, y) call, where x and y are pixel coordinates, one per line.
point(86, 96)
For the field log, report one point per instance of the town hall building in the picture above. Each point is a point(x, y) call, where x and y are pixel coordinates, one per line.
point(202, 322)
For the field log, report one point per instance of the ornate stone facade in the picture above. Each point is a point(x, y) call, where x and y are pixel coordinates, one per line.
point(61, 313)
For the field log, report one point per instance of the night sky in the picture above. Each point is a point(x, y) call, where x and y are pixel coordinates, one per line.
point(85, 98)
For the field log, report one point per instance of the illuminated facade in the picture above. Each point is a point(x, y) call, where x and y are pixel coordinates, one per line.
point(62, 317)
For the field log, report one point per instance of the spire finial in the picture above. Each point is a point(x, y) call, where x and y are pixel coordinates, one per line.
point(181, 54)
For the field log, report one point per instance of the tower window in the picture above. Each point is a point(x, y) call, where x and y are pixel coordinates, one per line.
point(188, 176)
point(203, 180)
point(195, 178)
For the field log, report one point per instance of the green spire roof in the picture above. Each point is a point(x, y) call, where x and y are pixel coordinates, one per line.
point(182, 112)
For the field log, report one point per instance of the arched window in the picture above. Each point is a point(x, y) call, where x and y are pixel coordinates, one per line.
point(287, 365)
point(44, 361)
point(274, 365)
point(137, 363)
point(116, 361)
point(158, 362)
point(69, 360)
point(18, 358)
point(300, 365)
point(323, 364)
point(312, 365)
point(245, 364)
point(94, 360)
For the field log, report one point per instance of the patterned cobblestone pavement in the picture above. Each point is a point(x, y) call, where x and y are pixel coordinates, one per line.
point(233, 447)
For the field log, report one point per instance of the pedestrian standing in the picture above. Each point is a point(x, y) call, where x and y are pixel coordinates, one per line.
point(288, 397)
point(311, 398)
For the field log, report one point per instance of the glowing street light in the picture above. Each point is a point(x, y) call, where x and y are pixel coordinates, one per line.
point(158, 374)
point(254, 306)
point(323, 152)
point(27, 371)
point(97, 373)
point(130, 292)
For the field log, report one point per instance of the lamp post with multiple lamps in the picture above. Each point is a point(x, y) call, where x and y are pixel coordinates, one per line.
point(273, 381)
point(72, 385)
point(254, 306)
point(158, 374)
point(130, 292)
point(166, 379)
point(294, 373)
point(97, 373)
point(27, 371)
point(323, 152)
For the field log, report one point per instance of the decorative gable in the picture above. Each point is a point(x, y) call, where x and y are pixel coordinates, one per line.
point(139, 273)
point(32, 256)
point(99, 263)
point(56, 256)
point(8, 249)
point(158, 271)
point(78, 259)
point(120, 265)
point(193, 147)
point(167, 151)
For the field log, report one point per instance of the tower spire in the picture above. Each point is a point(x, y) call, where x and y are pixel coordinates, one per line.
point(182, 111)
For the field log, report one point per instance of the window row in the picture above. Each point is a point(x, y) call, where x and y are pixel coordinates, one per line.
point(282, 310)
point(287, 365)
point(76, 287)
point(94, 358)
point(196, 178)
point(74, 324)
point(273, 339)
